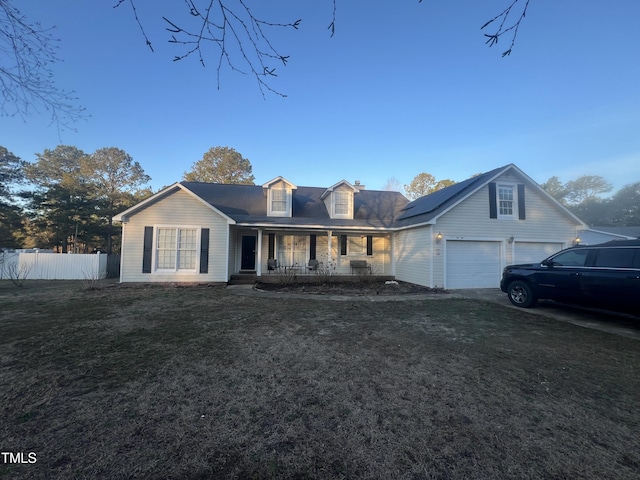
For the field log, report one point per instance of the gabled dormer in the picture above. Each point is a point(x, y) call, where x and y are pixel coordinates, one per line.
point(279, 195)
point(339, 199)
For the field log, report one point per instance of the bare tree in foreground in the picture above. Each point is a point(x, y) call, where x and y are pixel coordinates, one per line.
point(225, 33)
point(27, 52)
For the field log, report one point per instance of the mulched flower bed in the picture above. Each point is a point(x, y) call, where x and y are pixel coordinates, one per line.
point(349, 288)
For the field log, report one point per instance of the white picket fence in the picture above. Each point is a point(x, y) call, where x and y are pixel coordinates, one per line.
point(53, 266)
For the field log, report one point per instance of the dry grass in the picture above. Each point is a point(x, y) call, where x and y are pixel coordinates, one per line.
point(167, 382)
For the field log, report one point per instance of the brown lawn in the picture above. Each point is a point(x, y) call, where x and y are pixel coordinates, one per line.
point(195, 382)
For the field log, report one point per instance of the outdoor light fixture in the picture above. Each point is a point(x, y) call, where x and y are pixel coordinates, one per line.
point(438, 237)
point(511, 239)
point(577, 241)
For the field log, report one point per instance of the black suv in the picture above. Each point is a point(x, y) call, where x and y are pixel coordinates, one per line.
point(607, 274)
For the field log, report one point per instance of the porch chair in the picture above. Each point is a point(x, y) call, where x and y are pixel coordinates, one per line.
point(313, 265)
point(272, 264)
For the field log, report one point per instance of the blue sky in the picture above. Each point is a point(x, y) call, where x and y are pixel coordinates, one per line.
point(402, 88)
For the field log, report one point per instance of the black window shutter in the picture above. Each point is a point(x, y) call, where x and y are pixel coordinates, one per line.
point(493, 203)
point(369, 245)
point(147, 249)
point(272, 245)
point(204, 250)
point(343, 244)
point(312, 247)
point(521, 206)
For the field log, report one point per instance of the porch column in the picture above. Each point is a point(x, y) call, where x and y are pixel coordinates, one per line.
point(329, 259)
point(392, 248)
point(259, 254)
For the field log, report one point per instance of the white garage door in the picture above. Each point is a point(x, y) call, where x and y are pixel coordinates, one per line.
point(473, 264)
point(533, 252)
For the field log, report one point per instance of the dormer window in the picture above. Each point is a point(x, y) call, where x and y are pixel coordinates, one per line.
point(279, 200)
point(341, 203)
point(339, 200)
point(279, 194)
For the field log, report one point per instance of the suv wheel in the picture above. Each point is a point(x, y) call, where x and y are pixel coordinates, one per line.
point(520, 294)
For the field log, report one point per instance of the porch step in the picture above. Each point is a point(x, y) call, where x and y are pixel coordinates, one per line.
point(243, 279)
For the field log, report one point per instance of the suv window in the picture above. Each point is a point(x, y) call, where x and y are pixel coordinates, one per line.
point(615, 257)
point(571, 258)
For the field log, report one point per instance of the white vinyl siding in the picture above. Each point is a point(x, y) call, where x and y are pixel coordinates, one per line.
point(469, 220)
point(176, 209)
point(413, 256)
point(356, 245)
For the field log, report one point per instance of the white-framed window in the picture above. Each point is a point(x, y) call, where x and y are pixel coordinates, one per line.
point(506, 200)
point(176, 249)
point(341, 203)
point(291, 250)
point(279, 202)
point(356, 245)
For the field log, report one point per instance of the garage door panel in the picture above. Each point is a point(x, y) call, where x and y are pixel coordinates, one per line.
point(533, 252)
point(473, 264)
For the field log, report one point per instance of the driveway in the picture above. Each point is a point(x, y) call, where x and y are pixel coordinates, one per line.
point(605, 320)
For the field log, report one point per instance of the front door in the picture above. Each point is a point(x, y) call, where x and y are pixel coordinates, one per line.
point(248, 253)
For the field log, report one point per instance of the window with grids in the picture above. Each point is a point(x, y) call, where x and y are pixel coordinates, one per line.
point(341, 203)
point(176, 248)
point(505, 200)
point(278, 200)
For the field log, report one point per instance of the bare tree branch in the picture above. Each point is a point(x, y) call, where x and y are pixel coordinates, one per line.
point(27, 53)
point(239, 38)
point(135, 15)
point(492, 39)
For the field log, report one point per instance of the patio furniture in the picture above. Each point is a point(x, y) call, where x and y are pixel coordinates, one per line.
point(360, 267)
point(313, 265)
point(272, 265)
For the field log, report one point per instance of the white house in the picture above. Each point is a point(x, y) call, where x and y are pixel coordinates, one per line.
point(458, 237)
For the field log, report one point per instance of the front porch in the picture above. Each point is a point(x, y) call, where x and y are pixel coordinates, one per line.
point(312, 253)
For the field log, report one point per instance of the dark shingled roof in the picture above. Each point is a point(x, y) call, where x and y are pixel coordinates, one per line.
point(248, 204)
point(432, 205)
